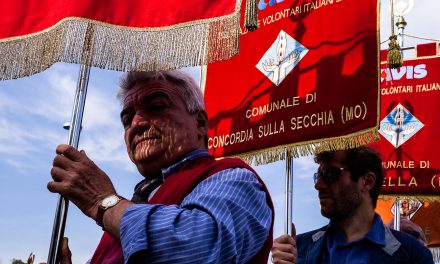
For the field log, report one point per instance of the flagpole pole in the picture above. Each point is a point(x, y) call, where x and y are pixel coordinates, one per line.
point(401, 23)
point(289, 195)
point(74, 135)
point(396, 218)
point(397, 214)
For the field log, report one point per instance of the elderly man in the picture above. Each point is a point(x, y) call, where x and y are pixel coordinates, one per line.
point(190, 208)
point(409, 227)
point(348, 184)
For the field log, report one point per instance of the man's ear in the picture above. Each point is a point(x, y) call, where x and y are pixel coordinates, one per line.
point(202, 121)
point(369, 180)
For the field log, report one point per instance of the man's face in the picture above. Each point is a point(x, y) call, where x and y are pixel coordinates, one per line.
point(158, 128)
point(339, 199)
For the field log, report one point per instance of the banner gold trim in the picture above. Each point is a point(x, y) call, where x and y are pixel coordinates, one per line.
point(421, 197)
point(122, 48)
point(269, 155)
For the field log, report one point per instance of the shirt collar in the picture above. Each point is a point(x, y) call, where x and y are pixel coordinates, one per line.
point(195, 154)
point(376, 234)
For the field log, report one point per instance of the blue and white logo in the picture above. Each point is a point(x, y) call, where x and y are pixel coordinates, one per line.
point(399, 126)
point(280, 59)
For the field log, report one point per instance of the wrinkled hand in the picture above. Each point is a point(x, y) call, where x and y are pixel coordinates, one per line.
point(79, 180)
point(284, 249)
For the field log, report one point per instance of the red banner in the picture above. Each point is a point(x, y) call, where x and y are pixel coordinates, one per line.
point(427, 49)
point(409, 128)
point(306, 78)
point(121, 35)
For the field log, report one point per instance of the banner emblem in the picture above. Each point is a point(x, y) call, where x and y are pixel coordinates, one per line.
point(280, 59)
point(399, 126)
point(408, 207)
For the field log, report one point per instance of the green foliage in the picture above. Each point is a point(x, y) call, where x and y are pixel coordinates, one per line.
point(17, 261)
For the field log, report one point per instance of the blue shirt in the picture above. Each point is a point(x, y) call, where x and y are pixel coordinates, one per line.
point(225, 219)
point(356, 252)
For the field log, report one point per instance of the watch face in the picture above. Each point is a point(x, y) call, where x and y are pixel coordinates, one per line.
point(110, 201)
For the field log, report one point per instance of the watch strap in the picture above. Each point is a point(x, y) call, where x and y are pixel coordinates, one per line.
point(102, 210)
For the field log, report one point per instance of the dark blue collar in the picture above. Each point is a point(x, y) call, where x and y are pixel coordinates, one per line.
point(195, 154)
point(376, 234)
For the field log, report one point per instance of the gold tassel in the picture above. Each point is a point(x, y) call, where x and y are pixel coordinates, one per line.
point(394, 53)
point(251, 15)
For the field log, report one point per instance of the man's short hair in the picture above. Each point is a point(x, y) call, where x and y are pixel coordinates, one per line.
point(360, 161)
point(189, 91)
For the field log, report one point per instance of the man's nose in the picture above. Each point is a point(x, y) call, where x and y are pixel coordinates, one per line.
point(320, 184)
point(140, 120)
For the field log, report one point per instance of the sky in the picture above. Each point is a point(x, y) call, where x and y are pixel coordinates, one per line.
point(33, 111)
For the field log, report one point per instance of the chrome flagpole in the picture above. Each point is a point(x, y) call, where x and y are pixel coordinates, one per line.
point(74, 135)
point(401, 23)
point(396, 219)
point(289, 180)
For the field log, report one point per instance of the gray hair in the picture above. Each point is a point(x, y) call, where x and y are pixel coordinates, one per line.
point(187, 88)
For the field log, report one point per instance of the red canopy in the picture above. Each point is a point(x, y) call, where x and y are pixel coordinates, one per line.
point(121, 35)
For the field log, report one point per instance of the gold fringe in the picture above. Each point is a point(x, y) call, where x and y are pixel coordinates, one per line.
point(394, 53)
point(251, 15)
point(121, 48)
point(435, 254)
point(421, 197)
point(223, 40)
point(269, 155)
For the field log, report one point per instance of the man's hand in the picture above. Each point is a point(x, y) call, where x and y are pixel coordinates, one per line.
point(79, 180)
point(65, 254)
point(284, 249)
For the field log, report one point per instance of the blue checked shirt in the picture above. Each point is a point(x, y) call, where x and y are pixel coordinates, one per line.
point(225, 219)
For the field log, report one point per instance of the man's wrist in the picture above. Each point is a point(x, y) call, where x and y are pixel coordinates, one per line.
point(107, 203)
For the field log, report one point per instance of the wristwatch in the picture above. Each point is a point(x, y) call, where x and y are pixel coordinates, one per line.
point(107, 203)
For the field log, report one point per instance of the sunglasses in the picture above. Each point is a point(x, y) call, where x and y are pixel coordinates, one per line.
point(329, 175)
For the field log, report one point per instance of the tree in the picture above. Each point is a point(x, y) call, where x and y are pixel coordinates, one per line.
point(17, 261)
